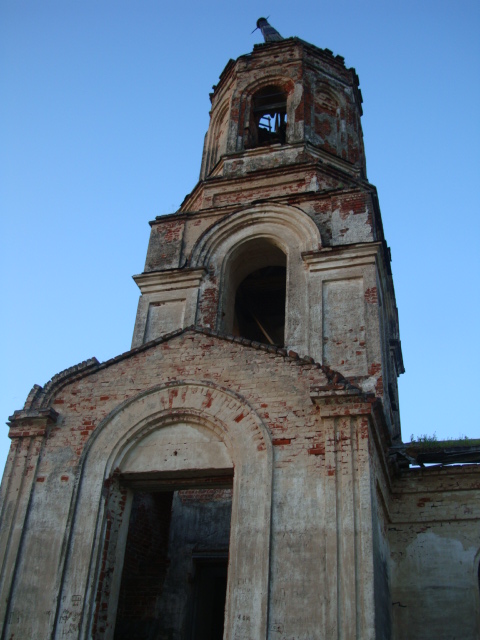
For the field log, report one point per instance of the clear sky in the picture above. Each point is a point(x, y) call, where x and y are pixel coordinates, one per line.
point(103, 109)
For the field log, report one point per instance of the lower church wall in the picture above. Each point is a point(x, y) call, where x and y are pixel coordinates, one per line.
point(301, 514)
point(312, 527)
point(435, 547)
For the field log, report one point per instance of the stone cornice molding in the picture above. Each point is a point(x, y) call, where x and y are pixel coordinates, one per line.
point(346, 401)
point(157, 281)
point(355, 255)
point(319, 160)
point(28, 423)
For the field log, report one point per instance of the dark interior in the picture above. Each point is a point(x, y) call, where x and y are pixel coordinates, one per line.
point(270, 113)
point(260, 306)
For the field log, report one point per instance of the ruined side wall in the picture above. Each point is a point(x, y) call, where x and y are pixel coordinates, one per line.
point(435, 545)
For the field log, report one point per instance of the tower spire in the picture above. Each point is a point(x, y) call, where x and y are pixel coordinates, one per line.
point(269, 33)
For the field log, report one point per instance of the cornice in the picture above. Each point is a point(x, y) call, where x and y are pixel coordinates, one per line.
point(343, 257)
point(156, 281)
point(31, 422)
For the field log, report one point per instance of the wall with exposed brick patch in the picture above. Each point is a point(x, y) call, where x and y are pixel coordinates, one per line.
point(165, 245)
point(312, 454)
point(317, 179)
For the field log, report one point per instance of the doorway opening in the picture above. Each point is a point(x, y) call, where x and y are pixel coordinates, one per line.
point(174, 578)
point(210, 591)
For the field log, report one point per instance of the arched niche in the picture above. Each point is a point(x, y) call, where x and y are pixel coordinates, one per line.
point(261, 236)
point(335, 123)
point(328, 101)
point(216, 139)
point(180, 430)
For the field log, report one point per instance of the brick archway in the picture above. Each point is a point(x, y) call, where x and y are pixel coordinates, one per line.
point(228, 416)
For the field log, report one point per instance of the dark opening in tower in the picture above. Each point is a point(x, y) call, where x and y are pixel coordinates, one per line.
point(260, 306)
point(270, 115)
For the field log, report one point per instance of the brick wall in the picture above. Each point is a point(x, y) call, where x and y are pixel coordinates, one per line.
point(145, 565)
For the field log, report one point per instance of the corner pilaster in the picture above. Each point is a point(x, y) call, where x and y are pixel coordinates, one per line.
point(27, 431)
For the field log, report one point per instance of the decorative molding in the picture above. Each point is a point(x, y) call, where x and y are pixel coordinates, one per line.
point(263, 219)
point(31, 422)
point(356, 255)
point(159, 281)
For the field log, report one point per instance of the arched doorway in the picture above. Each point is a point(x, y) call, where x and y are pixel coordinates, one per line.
point(175, 560)
point(176, 438)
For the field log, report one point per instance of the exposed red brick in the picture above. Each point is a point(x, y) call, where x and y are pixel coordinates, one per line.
point(374, 368)
point(371, 295)
point(318, 450)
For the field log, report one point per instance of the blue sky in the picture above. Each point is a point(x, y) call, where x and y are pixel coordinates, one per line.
point(104, 106)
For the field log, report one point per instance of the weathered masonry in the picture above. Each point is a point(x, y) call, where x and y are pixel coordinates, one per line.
point(211, 482)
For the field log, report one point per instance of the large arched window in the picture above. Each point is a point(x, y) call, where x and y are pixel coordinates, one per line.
point(260, 306)
point(256, 282)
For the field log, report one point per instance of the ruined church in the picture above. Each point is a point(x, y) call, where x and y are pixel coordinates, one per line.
point(239, 473)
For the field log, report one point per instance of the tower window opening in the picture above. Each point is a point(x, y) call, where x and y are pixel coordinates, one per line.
point(260, 306)
point(270, 116)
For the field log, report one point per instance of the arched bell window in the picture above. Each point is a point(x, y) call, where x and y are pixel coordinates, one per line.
point(269, 110)
point(255, 292)
point(260, 306)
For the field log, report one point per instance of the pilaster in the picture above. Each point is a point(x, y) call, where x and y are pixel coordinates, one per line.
point(27, 431)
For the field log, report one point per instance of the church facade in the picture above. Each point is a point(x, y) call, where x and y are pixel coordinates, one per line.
point(240, 473)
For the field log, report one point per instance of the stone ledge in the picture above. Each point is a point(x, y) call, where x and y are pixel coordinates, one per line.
point(30, 423)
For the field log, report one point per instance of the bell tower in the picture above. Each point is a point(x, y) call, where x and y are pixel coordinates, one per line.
point(281, 240)
point(238, 473)
point(297, 95)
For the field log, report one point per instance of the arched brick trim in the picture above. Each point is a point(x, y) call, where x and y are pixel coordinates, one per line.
point(248, 442)
point(268, 80)
point(289, 226)
point(290, 229)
